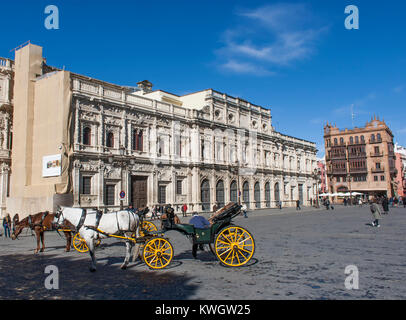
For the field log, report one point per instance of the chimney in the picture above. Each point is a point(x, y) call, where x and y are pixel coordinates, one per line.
point(145, 86)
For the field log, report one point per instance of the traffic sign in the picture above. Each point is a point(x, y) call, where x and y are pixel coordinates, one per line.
point(122, 195)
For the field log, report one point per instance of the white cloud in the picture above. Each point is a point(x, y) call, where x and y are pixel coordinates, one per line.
point(269, 37)
point(399, 89)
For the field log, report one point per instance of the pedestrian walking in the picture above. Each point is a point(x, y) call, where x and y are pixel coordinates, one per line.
point(184, 210)
point(360, 202)
point(280, 205)
point(7, 225)
point(376, 213)
point(298, 205)
point(385, 205)
point(327, 204)
point(154, 213)
point(244, 210)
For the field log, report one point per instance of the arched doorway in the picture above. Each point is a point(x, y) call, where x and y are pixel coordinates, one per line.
point(267, 195)
point(276, 193)
point(220, 193)
point(205, 195)
point(233, 192)
point(257, 195)
point(246, 193)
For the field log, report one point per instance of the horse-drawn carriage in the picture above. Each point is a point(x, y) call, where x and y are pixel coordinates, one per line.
point(80, 244)
point(232, 245)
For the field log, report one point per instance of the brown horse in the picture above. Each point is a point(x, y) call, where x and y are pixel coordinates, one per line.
point(40, 222)
point(164, 216)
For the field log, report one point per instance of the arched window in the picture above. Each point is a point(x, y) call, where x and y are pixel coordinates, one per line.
point(233, 192)
point(362, 139)
point(372, 137)
point(356, 139)
point(335, 141)
point(341, 141)
point(220, 193)
point(205, 195)
point(351, 140)
point(110, 140)
point(257, 195)
point(246, 193)
point(378, 137)
point(267, 195)
point(87, 134)
point(276, 192)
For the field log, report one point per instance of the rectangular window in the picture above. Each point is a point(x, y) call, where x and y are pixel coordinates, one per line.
point(110, 190)
point(378, 165)
point(178, 186)
point(382, 178)
point(338, 179)
point(375, 178)
point(376, 150)
point(86, 185)
point(162, 194)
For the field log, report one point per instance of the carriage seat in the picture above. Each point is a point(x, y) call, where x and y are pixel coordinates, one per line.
point(200, 235)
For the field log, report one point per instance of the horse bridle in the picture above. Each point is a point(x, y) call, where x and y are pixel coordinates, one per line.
point(81, 221)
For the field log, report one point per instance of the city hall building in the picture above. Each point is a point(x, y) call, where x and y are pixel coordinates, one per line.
point(67, 139)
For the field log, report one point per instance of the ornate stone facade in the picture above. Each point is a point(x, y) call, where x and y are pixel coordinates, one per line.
point(152, 147)
point(6, 128)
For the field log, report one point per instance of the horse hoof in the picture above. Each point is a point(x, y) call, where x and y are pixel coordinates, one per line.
point(92, 269)
point(123, 267)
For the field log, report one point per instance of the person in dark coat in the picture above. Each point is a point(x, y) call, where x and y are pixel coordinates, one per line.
point(385, 205)
point(201, 223)
point(376, 213)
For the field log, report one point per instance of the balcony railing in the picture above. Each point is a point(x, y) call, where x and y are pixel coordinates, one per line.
point(376, 154)
point(377, 170)
point(375, 141)
point(6, 63)
point(357, 155)
point(359, 170)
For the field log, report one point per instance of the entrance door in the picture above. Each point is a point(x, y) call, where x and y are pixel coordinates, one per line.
point(139, 191)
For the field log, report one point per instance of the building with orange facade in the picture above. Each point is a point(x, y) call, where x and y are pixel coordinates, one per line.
point(400, 153)
point(361, 159)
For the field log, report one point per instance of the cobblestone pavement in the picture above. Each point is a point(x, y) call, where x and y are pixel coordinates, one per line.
point(299, 255)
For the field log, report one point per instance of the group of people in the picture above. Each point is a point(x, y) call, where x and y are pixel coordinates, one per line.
point(9, 225)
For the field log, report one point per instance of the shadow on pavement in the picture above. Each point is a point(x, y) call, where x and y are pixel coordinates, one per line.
point(22, 277)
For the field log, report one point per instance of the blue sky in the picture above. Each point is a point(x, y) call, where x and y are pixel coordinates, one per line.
point(295, 57)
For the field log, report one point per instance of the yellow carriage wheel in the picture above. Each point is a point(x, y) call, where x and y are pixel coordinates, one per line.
point(147, 226)
point(80, 244)
point(234, 246)
point(157, 253)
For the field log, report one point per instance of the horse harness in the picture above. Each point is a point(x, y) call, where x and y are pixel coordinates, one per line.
point(40, 224)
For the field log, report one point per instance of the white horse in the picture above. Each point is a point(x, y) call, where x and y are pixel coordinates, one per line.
point(115, 223)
